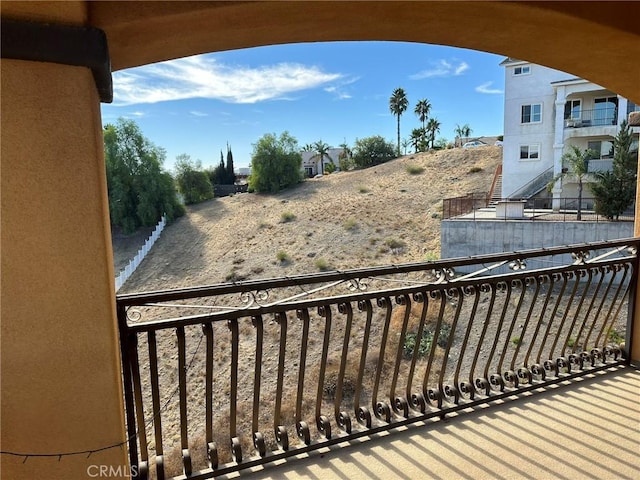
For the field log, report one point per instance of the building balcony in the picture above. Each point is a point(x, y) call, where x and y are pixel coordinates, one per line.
point(479, 367)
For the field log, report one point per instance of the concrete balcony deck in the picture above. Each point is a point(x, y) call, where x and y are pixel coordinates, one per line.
point(587, 429)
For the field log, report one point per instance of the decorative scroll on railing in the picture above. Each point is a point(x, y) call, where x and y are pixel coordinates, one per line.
point(228, 377)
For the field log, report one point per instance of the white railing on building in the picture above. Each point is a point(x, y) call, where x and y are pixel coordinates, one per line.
point(125, 273)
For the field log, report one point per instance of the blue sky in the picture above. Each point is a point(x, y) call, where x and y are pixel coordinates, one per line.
point(335, 92)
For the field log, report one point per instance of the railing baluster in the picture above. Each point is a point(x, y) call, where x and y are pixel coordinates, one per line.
point(212, 448)
point(302, 427)
point(155, 398)
point(182, 379)
point(523, 283)
point(483, 383)
point(362, 413)
point(400, 405)
point(280, 430)
point(461, 386)
point(432, 394)
point(342, 417)
point(258, 437)
point(381, 409)
point(449, 391)
point(417, 399)
point(236, 448)
point(322, 422)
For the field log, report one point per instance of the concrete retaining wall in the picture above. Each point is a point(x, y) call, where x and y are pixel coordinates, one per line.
point(463, 238)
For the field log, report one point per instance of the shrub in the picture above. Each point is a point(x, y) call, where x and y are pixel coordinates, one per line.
point(395, 244)
point(363, 190)
point(350, 224)
point(415, 169)
point(475, 169)
point(322, 265)
point(283, 257)
point(287, 217)
point(424, 345)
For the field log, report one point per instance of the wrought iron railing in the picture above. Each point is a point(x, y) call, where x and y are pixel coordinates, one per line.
point(227, 377)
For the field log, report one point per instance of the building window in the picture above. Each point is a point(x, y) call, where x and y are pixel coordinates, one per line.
point(522, 70)
point(606, 111)
point(602, 149)
point(529, 152)
point(572, 110)
point(531, 113)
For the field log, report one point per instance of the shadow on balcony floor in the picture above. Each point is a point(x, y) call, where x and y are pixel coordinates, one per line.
point(588, 429)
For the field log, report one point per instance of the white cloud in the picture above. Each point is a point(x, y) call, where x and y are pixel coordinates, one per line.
point(205, 77)
point(484, 88)
point(197, 113)
point(442, 68)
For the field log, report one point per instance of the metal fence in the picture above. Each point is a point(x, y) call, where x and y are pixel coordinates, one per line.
point(475, 206)
point(223, 378)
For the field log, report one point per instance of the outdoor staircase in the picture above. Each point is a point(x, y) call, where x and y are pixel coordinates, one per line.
point(534, 187)
point(496, 193)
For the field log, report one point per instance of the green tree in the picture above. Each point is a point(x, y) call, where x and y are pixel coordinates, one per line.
point(615, 190)
point(398, 104)
point(140, 191)
point(371, 151)
point(577, 162)
point(275, 163)
point(433, 127)
point(230, 171)
point(192, 181)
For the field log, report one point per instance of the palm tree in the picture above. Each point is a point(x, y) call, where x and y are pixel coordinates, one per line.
point(405, 143)
point(433, 127)
point(321, 150)
point(307, 148)
point(398, 104)
point(423, 107)
point(417, 139)
point(578, 166)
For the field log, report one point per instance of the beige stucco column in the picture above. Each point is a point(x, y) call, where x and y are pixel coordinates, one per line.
point(61, 389)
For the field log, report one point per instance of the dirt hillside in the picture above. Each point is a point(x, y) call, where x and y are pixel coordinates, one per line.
point(386, 214)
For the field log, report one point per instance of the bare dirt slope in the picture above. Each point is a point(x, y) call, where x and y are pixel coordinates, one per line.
point(340, 221)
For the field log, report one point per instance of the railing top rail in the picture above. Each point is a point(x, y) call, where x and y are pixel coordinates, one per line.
point(461, 285)
point(141, 298)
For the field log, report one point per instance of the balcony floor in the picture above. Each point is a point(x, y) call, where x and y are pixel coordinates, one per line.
point(587, 429)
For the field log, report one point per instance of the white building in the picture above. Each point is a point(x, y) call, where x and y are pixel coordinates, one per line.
point(545, 112)
point(311, 161)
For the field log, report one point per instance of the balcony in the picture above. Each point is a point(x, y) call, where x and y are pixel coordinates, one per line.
point(403, 360)
point(592, 118)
